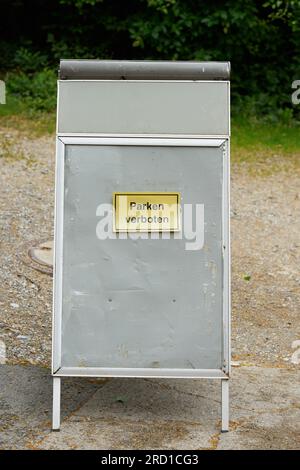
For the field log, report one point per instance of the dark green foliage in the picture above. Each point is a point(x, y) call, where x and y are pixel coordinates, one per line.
point(261, 39)
point(37, 90)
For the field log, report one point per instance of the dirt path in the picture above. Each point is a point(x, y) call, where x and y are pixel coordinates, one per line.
point(265, 256)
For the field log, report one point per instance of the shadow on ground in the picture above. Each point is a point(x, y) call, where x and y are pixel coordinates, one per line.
point(150, 413)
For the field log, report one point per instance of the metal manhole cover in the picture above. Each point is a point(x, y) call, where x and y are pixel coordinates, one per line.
point(38, 255)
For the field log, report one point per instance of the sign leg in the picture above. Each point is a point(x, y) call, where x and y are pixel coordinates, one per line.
point(225, 405)
point(56, 404)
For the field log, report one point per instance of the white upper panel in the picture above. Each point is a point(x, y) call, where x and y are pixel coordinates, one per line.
point(143, 107)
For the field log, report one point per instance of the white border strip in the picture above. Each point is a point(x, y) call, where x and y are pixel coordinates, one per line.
point(141, 372)
point(226, 257)
point(142, 141)
point(58, 256)
point(142, 136)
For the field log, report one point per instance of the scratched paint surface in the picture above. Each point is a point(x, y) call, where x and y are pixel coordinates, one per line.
point(141, 303)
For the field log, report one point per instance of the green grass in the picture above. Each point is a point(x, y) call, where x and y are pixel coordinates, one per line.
point(265, 148)
point(17, 115)
point(259, 135)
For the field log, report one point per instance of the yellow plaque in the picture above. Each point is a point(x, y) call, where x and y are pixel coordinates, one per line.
point(146, 212)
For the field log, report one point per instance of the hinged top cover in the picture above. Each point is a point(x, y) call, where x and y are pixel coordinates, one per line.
point(142, 70)
point(111, 97)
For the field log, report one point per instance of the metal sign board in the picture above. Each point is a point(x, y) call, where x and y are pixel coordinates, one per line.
point(142, 252)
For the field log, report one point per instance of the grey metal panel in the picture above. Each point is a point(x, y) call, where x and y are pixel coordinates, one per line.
point(141, 303)
point(142, 70)
point(124, 107)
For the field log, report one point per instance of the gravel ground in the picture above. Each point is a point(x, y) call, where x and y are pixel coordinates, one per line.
point(265, 227)
point(265, 256)
point(26, 211)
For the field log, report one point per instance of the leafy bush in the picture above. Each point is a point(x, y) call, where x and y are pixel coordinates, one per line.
point(37, 91)
point(261, 39)
point(29, 61)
